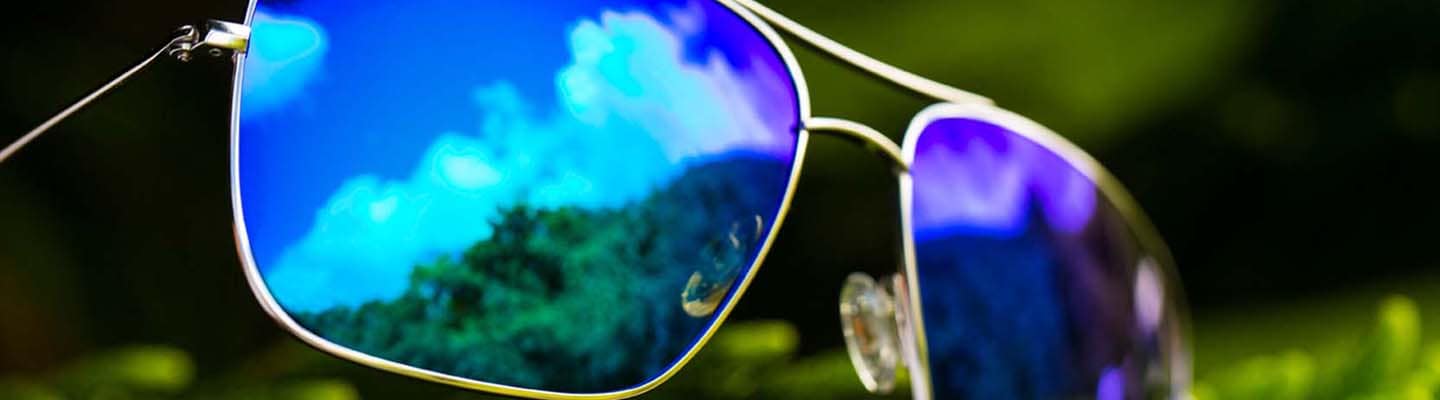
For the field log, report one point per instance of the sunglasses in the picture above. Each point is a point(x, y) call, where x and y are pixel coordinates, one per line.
point(564, 201)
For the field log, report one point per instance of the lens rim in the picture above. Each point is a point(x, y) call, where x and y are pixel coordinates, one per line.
point(1110, 189)
point(272, 307)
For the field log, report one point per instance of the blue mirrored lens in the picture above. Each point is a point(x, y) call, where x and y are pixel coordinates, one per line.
point(1032, 284)
point(554, 195)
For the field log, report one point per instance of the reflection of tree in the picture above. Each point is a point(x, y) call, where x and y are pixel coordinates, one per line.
point(572, 299)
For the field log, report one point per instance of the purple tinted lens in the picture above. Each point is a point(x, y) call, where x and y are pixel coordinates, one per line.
point(1032, 285)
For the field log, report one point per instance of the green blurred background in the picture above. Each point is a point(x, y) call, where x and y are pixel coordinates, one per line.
point(1287, 151)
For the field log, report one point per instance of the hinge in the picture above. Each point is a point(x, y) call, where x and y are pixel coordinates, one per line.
point(216, 39)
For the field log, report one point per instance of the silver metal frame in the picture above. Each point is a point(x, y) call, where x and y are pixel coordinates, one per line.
point(870, 65)
point(867, 136)
point(957, 103)
point(271, 307)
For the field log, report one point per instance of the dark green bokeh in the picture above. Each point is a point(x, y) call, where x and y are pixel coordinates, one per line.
point(1284, 150)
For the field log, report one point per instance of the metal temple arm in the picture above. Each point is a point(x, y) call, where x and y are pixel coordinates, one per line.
point(877, 68)
point(219, 38)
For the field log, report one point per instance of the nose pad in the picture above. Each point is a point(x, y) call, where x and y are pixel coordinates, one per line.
point(900, 294)
point(872, 335)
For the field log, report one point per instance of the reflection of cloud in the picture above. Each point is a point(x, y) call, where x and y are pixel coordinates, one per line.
point(702, 109)
point(984, 188)
point(980, 178)
point(284, 55)
point(631, 112)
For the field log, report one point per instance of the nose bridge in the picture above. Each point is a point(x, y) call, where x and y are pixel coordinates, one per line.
point(857, 132)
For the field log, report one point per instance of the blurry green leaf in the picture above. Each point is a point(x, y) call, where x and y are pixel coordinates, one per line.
point(732, 365)
point(1289, 376)
point(753, 359)
point(1387, 364)
point(322, 390)
point(150, 372)
point(1388, 354)
point(825, 376)
point(755, 341)
point(143, 368)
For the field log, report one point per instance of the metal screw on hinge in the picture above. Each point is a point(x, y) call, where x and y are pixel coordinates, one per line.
point(183, 43)
point(219, 38)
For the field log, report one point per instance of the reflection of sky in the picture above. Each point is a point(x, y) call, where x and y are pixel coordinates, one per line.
point(286, 55)
point(978, 178)
point(1025, 280)
point(352, 174)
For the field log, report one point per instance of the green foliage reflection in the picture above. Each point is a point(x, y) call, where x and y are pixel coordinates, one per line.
point(573, 299)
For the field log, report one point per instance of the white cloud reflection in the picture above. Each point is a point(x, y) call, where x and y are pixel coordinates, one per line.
point(632, 110)
point(286, 53)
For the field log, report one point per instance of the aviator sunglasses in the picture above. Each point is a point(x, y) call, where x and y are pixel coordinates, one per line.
point(572, 212)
